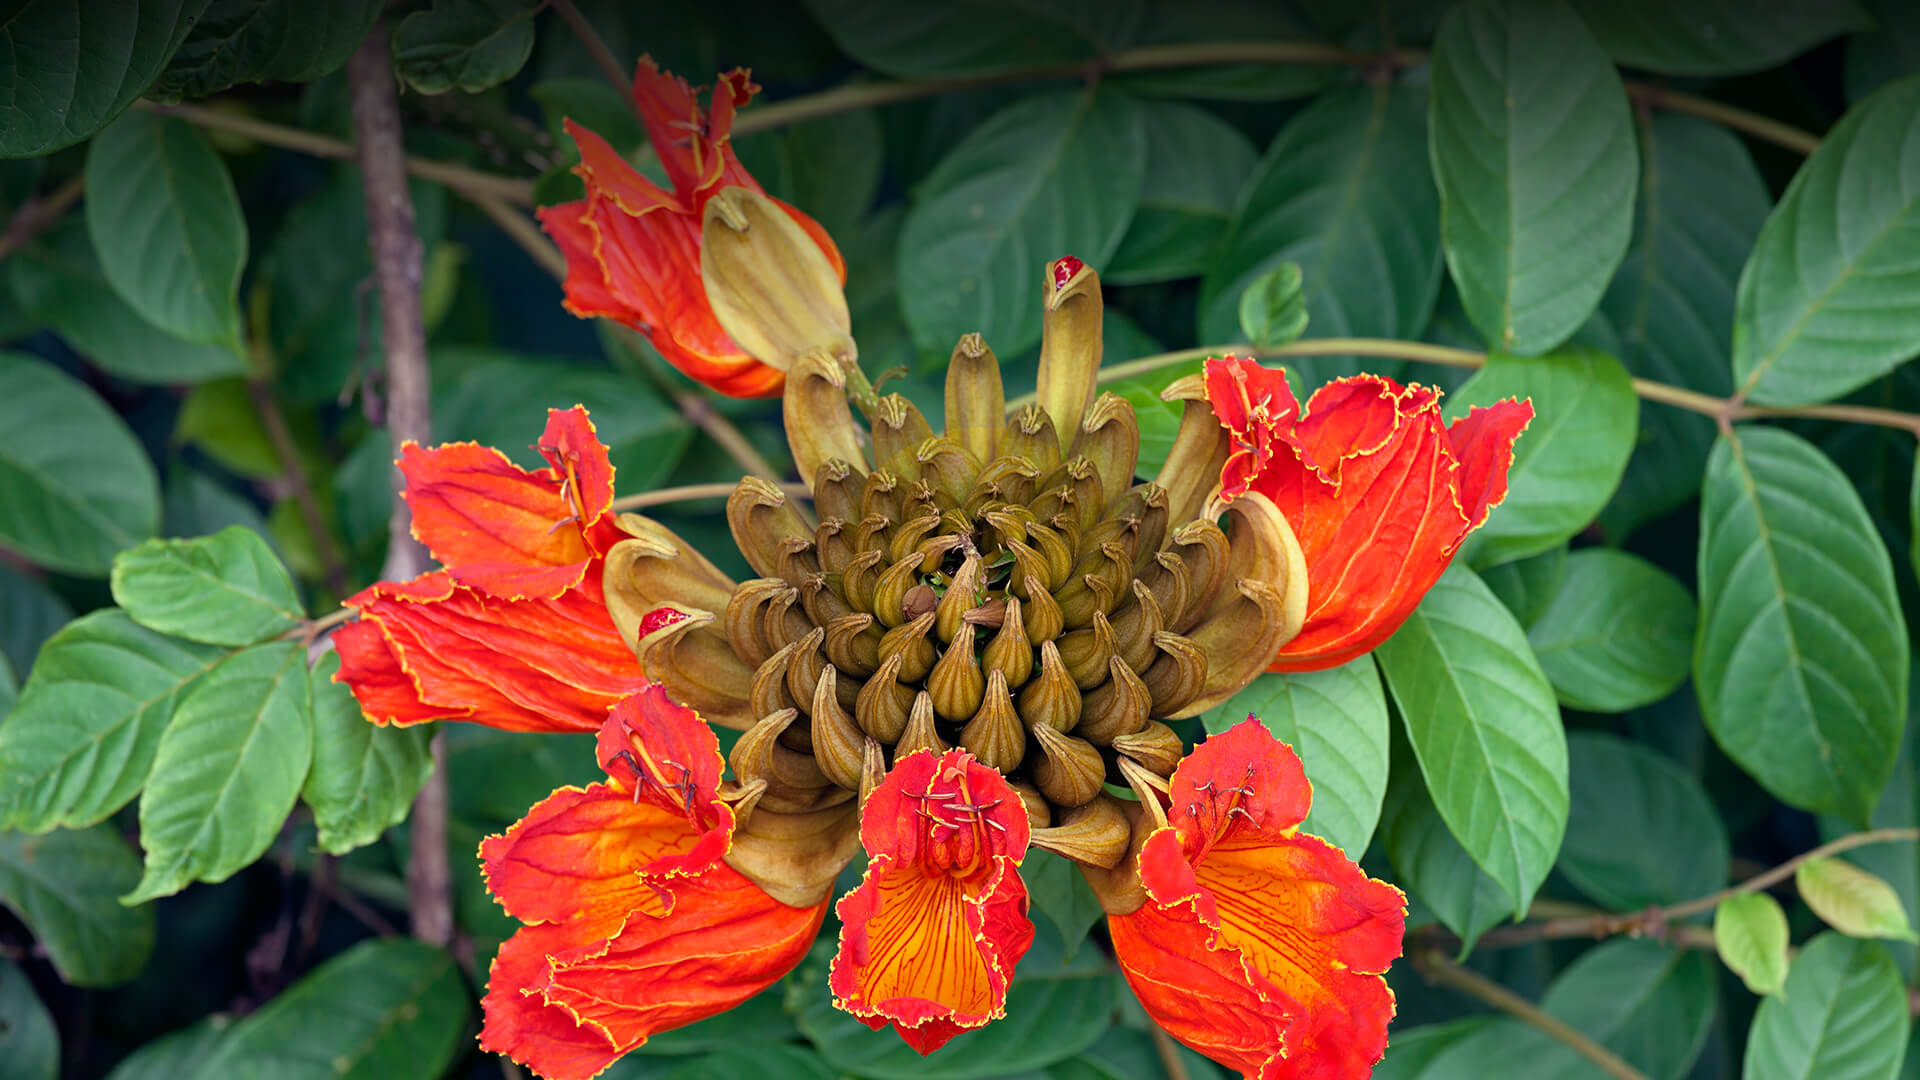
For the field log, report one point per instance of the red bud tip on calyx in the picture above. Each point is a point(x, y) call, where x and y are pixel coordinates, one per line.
point(1064, 269)
point(660, 619)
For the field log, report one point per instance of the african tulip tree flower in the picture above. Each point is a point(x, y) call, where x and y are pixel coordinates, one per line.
point(634, 249)
point(1379, 490)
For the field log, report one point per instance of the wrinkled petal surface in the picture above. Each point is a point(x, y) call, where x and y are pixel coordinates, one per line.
point(1260, 946)
point(929, 940)
point(1378, 490)
point(634, 924)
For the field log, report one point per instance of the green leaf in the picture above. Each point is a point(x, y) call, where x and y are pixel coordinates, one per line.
point(364, 776)
point(224, 589)
point(1887, 52)
point(976, 37)
point(1641, 831)
point(1055, 1009)
point(830, 165)
point(1238, 20)
point(1827, 297)
point(221, 419)
point(59, 281)
point(1336, 720)
point(1750, 934)
point(1528, 585)
point(1196, 165)
point(778, 1059)
point(76, 484)
point(1650, 1004)
point(228, 769)
point(1061, 893)
point(1482, 720)
point(1125, 1053)
point(1343, 191)
point(1159, 419)
point(9, 686)
point(468, 45)
point(1429, 861)
point(28, 1042)
point(245, 41)
point(30, 613)
point(175, 1055)
point(393, 1007)
point(1801, 656)
point(758, 1020)
point(77, 63)
point(1617, 633)
point(1898, 864)
point(1701, 205)
point(1415, 1048)
point(63, 886)
point(1568, 463)
point(1534, 155)
point(1853, 901)
point(1715, 37)
point(167, 226)
point(594, 104)
point(1842, 1016)
point(1054, 175)
point(1272, 310)
point(81, 741)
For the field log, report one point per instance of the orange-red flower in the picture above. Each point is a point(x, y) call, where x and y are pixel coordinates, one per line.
point(514, 633)
point(1258, 945)
point(929, 939)
point(1379, 490)
point(634, 923)
point(633, 248)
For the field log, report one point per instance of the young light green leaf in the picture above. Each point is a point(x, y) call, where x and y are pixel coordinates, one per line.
point(76, 63)
point(166, 224)
point(81, 741)
point(1750, 933)
point(1715, 37)
point(1344, 192)
point(227, 770)
point(1641, 831)
point(1853, 901)
point(1336, 720)
point(1055, 174)
point(364, 776)
point(1801, 660)
point(1853, 989)
point(224, 589)
point(1568, 462)
point(1482, 721)
point(1272, 310)
point(75, 482)
point(1616, 634)
point(1827, 297)
point(28, 1042)
point(1533, 151)
point(63, 886)
point(1061, 893)
point(466, 45)
point(243, 41)
point(1196, 166)
point(1429, 861)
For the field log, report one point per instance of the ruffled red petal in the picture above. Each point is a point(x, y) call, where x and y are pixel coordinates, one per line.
point(1483, 442)
point(386, 693)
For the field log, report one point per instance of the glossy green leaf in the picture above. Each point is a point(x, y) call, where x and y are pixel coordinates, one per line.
point(1528, 585)
point(9, 686)
point(1159, 419)
point(1344, 192)
point(244, 41)
point(1616, 634)
point(28, 1042)
point(779, 1059)
point(1054, 175)
point(364, 776)
point(1568, 462)
point(1897, 864)
point(1125, 1053)
point(1482, 721)
point(75, 482)
point(1801, 657)
point(1429, 862)
point(976, 37)
point(77, 63)
point(228, 769)
point(1715, 37)
point(466, 45)
point(1060, 892)
point(1650, 1004)
point(393, 1007)
point(224, 589)
point(1228, 20)
point(1827, 297)
point(760, 1019)
point(175, 1055)
point(1413, 1049)
point(1701, 205)
point(81, 741)
point(65, 887)
point(1273, 311)
point(1887, 52)
point(1750, 934)
point(1842, 1016)
point(1336, 720)
point(1853, 901)
point(830, 165)
point(30, 613)
point(59, 281)
point(1196, 165)
point(1534, 155)
point(1641, 831)
point(167, 227)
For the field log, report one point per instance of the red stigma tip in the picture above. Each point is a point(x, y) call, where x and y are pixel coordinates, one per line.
point(660, 619)
point(1064, 269)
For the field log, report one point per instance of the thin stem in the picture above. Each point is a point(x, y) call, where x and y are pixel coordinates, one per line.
point(663, 496)
point(1437, 968)
point(458, 177)
point(1169, 1054)
point(311, 629)
point(284, 448)
point(1750, 123)
point(40, 213)
point(602, 56)
point(700, 412)
point(1785, 870)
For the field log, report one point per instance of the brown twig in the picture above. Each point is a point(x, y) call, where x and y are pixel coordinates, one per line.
point(663, 496)
point(1749, 123)
point(397, 267)
point(1438, 969)
point(288, 451)
point(39, 214)
point(1163, 1045)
